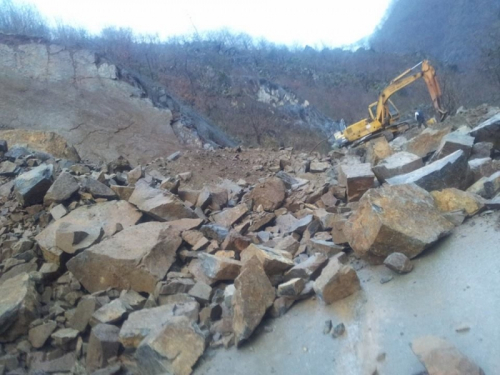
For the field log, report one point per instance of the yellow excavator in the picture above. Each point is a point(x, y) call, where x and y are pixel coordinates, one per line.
point(383, 113)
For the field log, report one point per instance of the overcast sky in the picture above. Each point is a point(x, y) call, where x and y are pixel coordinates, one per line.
point(310, 22)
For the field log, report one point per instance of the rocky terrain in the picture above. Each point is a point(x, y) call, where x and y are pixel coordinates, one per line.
point(127, 268)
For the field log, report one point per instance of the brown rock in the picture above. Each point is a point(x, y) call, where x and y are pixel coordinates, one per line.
point(453, 142)
point(83, 312)
point(426, 142)
point(336, 281)
point(110, 313)
point(399, 263)
point(230, 216)
point(159, 204)
point(291, 288)
point(280, 306)
point(273, 261)
point(217, 268)
point(135, 258)
point(71, 238)
point(442, 358)
point(235, 241)
point(377, 149)
point(123, 192)
point(327, 248)
point(269, 194)
point(253, 295)
point(39, 334)
point(448, 200)
point(358, 179)
point(174, 349)
point(103, 345)
point(392, 219)
point(64, 337)
point(288, 244)
point(201, 292)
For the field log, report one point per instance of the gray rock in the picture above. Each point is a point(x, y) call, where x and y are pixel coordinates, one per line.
point(357, 178)
point(201, 292)
point(110, 313)
point(83, 312)
point(327, 248)
point(214, 232)
point(30, 187)
point(488, 131)
point(103, 345)
point(217, 268)
point(97, 189)
point(8, 168)
point(64, 336)
point(309, 269)
point(62, 189)
point(444, 173)
point(399, 263)
point(453, 142)
point(397, 164)
point(486, 187)
point(39, 334)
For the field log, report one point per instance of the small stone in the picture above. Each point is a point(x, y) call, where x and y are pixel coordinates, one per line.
point(111, 313)
point(399, 263)
point(39, 334)
point(64, 336)
point(291, 288)
point(338, 330)
point(58, 211)
point(176, 155)
point(201, 292)
point(386, 279)
point(327, 327)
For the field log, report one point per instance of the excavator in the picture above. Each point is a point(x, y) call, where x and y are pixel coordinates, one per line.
point(383, 113)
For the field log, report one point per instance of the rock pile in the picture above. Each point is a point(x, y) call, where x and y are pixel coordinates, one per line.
point(120, 267)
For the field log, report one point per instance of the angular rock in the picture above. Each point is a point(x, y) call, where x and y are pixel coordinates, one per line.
point(19, 306)
point(158, 203)
point(426, 142)
point(103, 345)
point(479, 168)
point(327, 248)
point(59, 365)
point(488, 131)
point(62, 189)
point(123, 192)
point(377, 149)
point(235, 241)
point(442, 358)
point(253, 295)
point(218, 268)
point(336, 282)
point(135, 175)
point(120, 164)
point(58, 211)
point(110, 313)
point(269, 194)
point(106, 215)
point(273, 261)
point(318, 167)
point(39, 334)
point(291, 288)
point(288, 244)
point(174, 349)
point(8, 169)
point(201, 292)
point(230, 216)
point(448, 200)
point(308, 269)
point(140, 323)
point(30, 187)
point(399, 263)
point(71, 238)
point(486, 187)
point(64, 336)
point(397, 164)
point(97, 189)
point(188, 195)
point(174, 286)
point(453, 142)
point(444, 173)
point(83, 312)
point(390, 219)
point(280, 306)
point(135, 258)
point(132, 299)
point(214, 232)
point(213, 197)
point(357, 178)
point(481, 150)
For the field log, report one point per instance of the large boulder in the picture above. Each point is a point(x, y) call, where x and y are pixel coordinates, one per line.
point(269, 194)
point(253, 295)
point(174, 349)
point(30, 187)
point(447, 172)
point(377, 149)
point(392, 219)
point(357, 178)
point(159, 204)
point(453, 142)
point(488, 131)
point(19, 306)
point(135, 258)
point(397, 164)
point(106, 215)
point(48, 142)
point(449, 200)
point(62, 189)
point(336, 281)
point(442, 358)
point(426, 142)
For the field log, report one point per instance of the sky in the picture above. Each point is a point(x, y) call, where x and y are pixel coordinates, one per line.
point(331, 23)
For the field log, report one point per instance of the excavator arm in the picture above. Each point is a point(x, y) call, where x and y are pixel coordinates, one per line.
point(382, 116)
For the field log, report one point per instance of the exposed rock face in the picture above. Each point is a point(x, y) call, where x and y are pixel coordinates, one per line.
point(442, 358)
point(357, 178)
point(426, 142)
point(397, 164)
point(254, 294)
point(159, 204)
point(18, 306)
point(448, 200)
point(44, 141)
point(488, 131)
point(270, 194)
point(444, 173)
point(104, 215)
point(336, 281)
point(392, 219)
point(174, 349)
point(30, 187)
point(135, 258)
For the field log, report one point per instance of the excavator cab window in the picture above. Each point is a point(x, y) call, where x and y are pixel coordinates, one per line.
point(393, 111)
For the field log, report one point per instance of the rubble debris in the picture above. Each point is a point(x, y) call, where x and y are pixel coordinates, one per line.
point(273, 261)
point(401, 218)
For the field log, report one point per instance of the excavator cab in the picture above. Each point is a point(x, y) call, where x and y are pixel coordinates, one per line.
point(391, 111)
